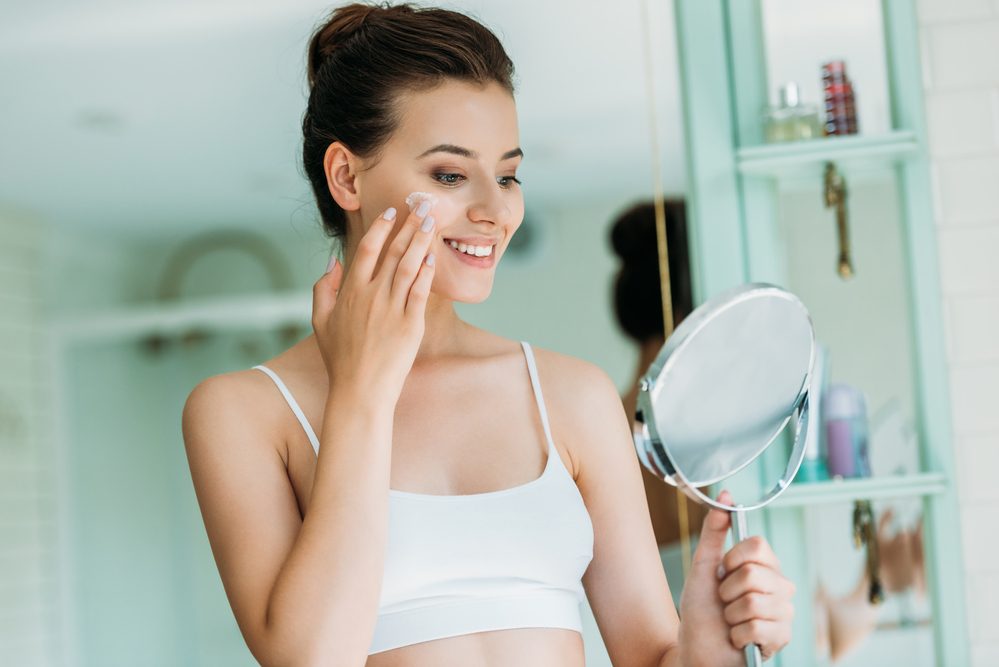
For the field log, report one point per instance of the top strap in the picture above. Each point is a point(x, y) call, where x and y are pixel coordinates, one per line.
point(294, 406)
point(533, 369)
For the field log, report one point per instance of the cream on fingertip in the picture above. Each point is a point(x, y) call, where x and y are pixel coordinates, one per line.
point(414, 198)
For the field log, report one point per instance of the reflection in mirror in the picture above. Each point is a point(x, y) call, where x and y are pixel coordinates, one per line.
point(185, 118)
point(801, 36)
point(870, 601)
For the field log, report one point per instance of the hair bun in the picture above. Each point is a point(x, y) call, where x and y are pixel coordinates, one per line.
point(633, 237)
point(342, 24)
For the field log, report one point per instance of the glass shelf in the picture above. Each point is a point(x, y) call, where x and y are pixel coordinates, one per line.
point(841, 490)
point(807, 158)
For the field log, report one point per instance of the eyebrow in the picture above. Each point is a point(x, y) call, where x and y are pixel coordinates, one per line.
point(464, 152)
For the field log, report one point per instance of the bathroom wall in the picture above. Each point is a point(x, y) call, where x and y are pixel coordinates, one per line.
point(961, 77)
point(30, 618)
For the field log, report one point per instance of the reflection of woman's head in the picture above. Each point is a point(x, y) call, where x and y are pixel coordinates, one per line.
point(637, 293)
point(406, 99)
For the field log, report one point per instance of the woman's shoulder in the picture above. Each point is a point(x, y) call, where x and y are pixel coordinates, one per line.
point(243, 399)
point(575, 377)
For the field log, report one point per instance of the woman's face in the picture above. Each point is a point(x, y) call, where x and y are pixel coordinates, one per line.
point(458, 142)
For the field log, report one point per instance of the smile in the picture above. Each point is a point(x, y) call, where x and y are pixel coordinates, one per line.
point(481, 256)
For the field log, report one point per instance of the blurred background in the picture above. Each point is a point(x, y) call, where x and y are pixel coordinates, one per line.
point(156, 228)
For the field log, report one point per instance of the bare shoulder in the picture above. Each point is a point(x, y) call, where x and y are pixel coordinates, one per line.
point(239, 400)
point(573, 377)
point(582, 402)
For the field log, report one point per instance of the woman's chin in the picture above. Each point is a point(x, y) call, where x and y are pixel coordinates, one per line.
point(464, 295)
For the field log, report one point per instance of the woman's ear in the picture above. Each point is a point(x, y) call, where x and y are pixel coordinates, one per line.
point(341, 167)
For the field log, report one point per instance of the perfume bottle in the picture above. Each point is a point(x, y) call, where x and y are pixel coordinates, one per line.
point(792, 120)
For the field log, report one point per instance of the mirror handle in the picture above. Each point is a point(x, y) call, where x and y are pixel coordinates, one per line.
point(754, 658)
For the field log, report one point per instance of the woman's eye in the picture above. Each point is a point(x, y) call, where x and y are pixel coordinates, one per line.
point(505, 180)
point(448, 178)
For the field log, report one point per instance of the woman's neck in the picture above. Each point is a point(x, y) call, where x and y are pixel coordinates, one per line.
point(443, 330)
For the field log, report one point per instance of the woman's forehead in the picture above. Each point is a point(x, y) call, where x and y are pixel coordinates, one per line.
point(480, 119)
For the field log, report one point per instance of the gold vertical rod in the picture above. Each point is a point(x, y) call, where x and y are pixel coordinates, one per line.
point(660, 213)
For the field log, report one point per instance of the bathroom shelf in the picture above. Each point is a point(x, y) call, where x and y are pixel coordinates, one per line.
point(844, 490)
point(243, 311)
point(807, 158)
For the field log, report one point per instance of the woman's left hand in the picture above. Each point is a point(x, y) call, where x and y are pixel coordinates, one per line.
point(734, 599)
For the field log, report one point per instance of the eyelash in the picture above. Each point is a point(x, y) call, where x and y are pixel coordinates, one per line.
point(437, 177)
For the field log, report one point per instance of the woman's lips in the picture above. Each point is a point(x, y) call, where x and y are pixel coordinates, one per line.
point(471, 260)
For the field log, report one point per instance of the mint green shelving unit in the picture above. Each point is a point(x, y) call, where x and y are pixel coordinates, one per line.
point(732, 203)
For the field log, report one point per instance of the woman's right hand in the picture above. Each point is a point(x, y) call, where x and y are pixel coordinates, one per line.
point(369, 323)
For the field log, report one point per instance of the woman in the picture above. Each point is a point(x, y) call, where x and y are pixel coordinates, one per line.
point(638, 310)
point(416, 529)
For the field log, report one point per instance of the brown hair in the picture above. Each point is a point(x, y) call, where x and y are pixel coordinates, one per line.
point(637, 291)
point(359, 61)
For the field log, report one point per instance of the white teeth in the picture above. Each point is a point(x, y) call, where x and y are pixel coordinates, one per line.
point(476, 251)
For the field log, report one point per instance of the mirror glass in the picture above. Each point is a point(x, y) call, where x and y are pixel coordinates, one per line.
point(172, 121)
point(729, 379)
point(800, 36)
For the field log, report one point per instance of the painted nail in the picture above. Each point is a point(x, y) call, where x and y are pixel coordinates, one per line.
point(720, 572)
point(430, 259)
point(427, 224)
point(389, 213)
point(331, 264)
point(423, 208)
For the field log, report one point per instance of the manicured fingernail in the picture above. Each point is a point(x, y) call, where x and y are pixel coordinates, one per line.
point(427, 224)
point(423, 208)
point(389, 213)
point(332, 263)
point(430, 259)
point(720, 572)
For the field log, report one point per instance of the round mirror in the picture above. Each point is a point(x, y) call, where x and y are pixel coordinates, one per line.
point(728, 381)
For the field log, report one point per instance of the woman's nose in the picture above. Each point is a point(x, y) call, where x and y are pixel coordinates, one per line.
point(490, 205)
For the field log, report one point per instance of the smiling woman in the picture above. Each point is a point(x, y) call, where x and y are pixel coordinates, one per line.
point(404, 488)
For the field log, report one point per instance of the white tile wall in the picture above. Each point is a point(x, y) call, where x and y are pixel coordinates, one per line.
point(968, 257)
point(973, 324)
point(979, 458)
point(961, 71)
point(969, 187)
point(935, 11)
point(965, 122)
point(962, 54)
point(29, 618)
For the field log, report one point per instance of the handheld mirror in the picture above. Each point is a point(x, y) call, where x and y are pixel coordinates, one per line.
point(732, 376)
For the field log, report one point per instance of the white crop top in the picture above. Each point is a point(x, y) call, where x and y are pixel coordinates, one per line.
point(457, 564)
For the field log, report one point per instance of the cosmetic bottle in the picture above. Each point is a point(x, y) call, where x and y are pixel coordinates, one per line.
point(792, 120)
point(813, 463)
point(840, 105)
point(845, 419)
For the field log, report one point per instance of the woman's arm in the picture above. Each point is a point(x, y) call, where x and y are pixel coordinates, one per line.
point(304, 592)
point(625, 583)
